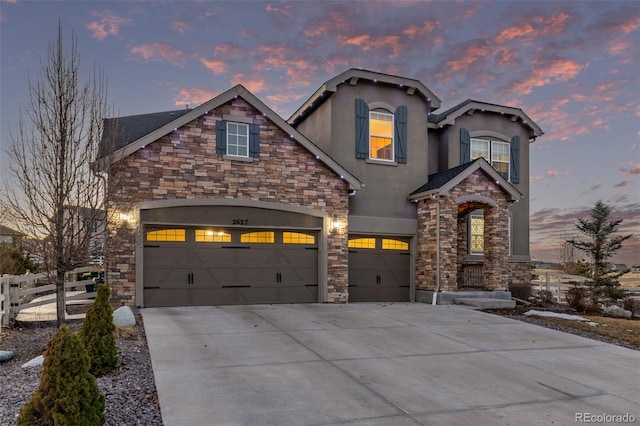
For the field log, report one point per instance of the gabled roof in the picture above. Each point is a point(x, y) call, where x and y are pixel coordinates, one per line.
point(165, 127)
point(443, 182)
point(351, 76)
point(471, 106)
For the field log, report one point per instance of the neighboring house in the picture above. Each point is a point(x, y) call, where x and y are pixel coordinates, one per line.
point(10, 237)
point(367, 193)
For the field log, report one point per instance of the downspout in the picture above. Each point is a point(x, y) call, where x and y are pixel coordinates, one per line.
point(434, 301)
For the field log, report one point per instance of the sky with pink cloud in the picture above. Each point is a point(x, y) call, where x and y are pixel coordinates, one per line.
point(572, 66)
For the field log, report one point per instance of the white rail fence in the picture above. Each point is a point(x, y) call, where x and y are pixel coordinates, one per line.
point(558, 284)
point(17, 292)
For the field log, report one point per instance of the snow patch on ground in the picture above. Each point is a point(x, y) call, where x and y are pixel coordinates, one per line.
point(556, 315)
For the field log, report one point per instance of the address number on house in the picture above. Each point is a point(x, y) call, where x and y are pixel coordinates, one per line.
point(239, 221)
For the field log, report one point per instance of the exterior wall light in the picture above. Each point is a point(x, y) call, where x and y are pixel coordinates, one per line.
point(336, 226)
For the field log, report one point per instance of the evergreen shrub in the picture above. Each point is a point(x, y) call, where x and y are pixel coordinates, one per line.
point(98, 334)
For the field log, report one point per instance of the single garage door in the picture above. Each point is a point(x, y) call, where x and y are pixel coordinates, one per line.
point(200, 266)
point(379, 269)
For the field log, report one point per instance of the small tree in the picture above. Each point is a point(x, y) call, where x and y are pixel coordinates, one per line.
point(599, 246)
point(98, 334)
point(15, 261)
point(68, 394)
point(51, 192)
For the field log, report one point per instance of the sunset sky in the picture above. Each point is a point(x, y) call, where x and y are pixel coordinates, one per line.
point(572, 66)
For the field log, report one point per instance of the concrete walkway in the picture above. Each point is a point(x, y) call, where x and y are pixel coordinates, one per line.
point(379, 364)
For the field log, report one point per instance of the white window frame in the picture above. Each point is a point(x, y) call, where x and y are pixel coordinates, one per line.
point(490, 151)
point(236, 146)
point(372, 135)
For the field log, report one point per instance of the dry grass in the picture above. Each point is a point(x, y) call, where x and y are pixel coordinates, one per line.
point(627, 330)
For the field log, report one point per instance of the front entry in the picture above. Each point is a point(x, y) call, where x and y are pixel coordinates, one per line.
point(379, 269)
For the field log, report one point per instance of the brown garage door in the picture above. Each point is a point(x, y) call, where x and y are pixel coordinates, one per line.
point(200, 266)
point(379, 269)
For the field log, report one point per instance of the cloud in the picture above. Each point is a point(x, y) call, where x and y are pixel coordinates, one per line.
point(158, 52)
point(622, 184)
point(422, 29)
point(255, 84)
point(107, 23)
point(385, 43)
point(215, 66)
point(593, 188)
point(286, 10)
point(549, 174)
point(335, 22)
point(633, 170)
point(532, 28)
point(179, 26)
point(194, 96)
point(228, 49)
point(546, 71)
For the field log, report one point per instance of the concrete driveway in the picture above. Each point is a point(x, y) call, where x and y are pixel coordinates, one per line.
point(380, 364)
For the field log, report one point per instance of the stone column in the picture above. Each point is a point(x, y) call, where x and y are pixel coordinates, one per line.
point(495, 270)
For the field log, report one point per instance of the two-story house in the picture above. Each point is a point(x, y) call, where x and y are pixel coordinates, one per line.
point(366, 193)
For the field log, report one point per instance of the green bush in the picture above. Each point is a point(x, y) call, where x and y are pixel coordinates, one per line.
point(98, 334)
point(68, 394)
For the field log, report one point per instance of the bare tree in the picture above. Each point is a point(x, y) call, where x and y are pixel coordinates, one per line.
point(52, 193)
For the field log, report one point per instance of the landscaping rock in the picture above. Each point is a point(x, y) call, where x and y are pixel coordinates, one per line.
point(6, 355)
point(36, 362)
point(123, 317)
point(616, 312)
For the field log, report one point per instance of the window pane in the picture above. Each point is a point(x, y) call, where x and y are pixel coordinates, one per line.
point(362, 243)
point(479, 148)
point(477, 235)
point(297, 238)
point(388, 244)
point(380, 148)
point(266, 237)
point(167, 235)
point(211, 236)
point(238, 139)
point(500, 151)
point(502, 168)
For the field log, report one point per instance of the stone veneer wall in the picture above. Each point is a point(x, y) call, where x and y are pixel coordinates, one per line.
point(184, 165)
point(496, 268)
point(519, 272)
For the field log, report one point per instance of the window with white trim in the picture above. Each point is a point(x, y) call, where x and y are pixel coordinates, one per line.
point(238, 139)
point(380, 136)
point(495, 152)
point(476, 234)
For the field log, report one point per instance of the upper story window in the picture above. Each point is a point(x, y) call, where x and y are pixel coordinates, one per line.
point(380, 136)
point(495, 152)
point(503, 156)
point(238, 139)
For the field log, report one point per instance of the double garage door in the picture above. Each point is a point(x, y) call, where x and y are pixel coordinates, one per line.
point(198, 266)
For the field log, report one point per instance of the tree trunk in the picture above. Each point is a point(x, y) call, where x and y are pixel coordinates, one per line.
point(60, 298)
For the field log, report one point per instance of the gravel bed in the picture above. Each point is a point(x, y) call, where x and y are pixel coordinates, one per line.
point(129, 389)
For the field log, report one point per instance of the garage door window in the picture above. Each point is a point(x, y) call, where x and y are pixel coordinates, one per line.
point(211, 236)
point(263, 237)
point(175, 235)
point(297, 238)
point(363, 243)
point(388, 244)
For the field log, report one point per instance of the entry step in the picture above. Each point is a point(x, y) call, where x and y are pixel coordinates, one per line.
point(485, 302)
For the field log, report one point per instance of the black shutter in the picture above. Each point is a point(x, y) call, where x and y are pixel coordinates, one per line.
point(465, 146)
point(514, 158)
point(221, 137)
point(254, 141)
point(362, 129)
point(400, 118)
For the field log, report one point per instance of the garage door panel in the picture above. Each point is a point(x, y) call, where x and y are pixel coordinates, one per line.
point(211, 256)
point(160, 297)
point(254, 295)
point(213, 277)
point(299, 294)
point(165, 256)
point(212, 296)
point(256, 276)
point(166, 277)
